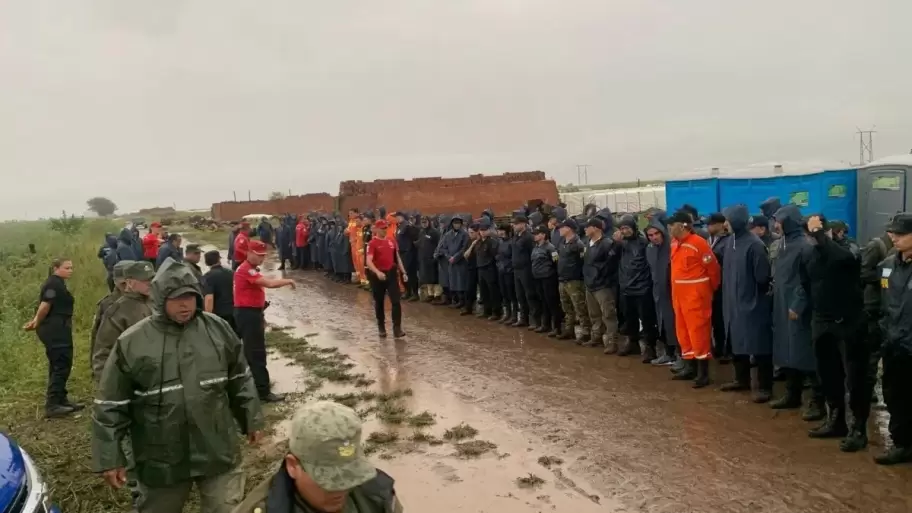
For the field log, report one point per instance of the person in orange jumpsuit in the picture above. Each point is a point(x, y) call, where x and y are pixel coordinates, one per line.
point(356, 238)
point(695, 275)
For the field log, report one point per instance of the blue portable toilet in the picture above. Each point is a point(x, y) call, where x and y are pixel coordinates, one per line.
point(839, 196)
point(701, 193)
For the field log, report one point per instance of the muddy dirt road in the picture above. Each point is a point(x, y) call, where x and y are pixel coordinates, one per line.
point(630, 440)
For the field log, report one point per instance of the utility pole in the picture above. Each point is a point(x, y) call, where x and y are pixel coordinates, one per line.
point(865, 148)
point(582, 174)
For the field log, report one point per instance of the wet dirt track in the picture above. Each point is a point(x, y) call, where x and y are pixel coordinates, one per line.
point(631, 439)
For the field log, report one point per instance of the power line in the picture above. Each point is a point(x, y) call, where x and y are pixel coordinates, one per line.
point(582, 174)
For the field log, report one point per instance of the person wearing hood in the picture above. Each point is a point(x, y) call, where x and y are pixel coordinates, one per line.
point(695, 276)
point(302, 251)
point(265, 232)
point(558, 216)
point(177, 384)
point(571, 288)
point(327, 247)
point(609, 218)
point(544, 272)
point(453, 246)
point(746, 305)
point(109, 258)
point(523, 244)
point(443, 265)
point(485, 254)
point(837, 331)
point(600, 275)
point(471, 294)
point(345, 267)
point(285, 240)
point(314, 243)
point(768, 208)
point(717, 227)
point(385, 266)
point(793, 351)
point(658, 256)
point(636, 286)
point(428, 239)
point(170, 249)
point(406, 239)
point(125, 246)
point(506, 280)
point(840, 231)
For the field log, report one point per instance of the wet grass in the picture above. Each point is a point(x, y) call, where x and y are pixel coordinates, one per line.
point(461, 432)
point(549, 461)
point(392, 413)
point(383, 437)
point(530, 481)
point(425, 438)
point(474, 449)
point(422, 419)
point(320, 363)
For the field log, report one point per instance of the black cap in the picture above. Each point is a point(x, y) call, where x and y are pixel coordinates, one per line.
point(193, 248)
point(595, 223)
point(543, 230)
point(901, 224)
point(716, 218)
point(759, 222)
point(680, 217)
point(569, 223)
point(520, 219)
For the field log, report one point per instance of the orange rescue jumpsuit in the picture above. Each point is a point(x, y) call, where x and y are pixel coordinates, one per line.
point(695, 275)
point(356, 239)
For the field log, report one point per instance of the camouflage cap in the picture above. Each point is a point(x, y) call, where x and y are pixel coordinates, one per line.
point(117, 271)
point(326, 439)
point(139, 270)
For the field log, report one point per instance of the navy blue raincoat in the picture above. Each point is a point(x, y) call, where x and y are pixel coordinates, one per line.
point(792, 347)
point(453, 245)
point(659, 259)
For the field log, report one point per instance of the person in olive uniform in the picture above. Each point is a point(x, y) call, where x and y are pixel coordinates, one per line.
point(192, 255)
point(54, 324)
point(325, 469)
point(104, 303)
point(896, 282)
point(570, 283)
point(176, 383)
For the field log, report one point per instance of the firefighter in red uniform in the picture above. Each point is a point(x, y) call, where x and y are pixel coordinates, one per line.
point(695, 275)
point(249, 304)
point(241, 243)
point(151, 242)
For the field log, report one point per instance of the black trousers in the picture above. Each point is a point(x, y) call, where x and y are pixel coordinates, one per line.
point(897, 391)
point(56, 333)
point(471, 292)
point(382, 288)
point(410, 261)
point(251, 326)
point(742, 365)
point(721, 342)
point(302, 257)
point(621, 310)
point(552, 315)
point(529, 302)
point(235, 264)
point(639, 309)
point(842, 363)
point(507, 283)
point(229, 318)
point(489, 283)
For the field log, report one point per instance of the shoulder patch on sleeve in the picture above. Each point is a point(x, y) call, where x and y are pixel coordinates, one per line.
point(50, 294)
point(707, 259)
point(252, 272)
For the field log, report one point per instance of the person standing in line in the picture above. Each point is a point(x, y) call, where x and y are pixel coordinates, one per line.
point(760, 226)
point(658, 255)
point(874, 252)
point(486, 261)
point(600, 275)
point(218, 289)
point(406, 238)
point(428, 240)
point(896, 283)
point(571, 288)
point(793, 351)
point(285, 242)
point(718, 237)
point(170, 249)
point(241, 245)
point(523, 244)
point(454, 244)
point(636, 283)
point(544, 274)
point(249, 304)
point(746, 305)
point(838, 335)
point(54, 324)
point(151, 243)
point(385, 266)
point(695, 275)
point(505, 277)
point(178, 388)
point(265, 232)
point(443, 264)
point(126, 249)
point(471, 294)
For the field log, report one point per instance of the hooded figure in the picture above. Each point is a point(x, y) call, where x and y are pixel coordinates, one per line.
point(454, 244)
point(658, 256)
point(769, 208)
point(180, 392)
point(126, 250)
point(264, 231)
point(109, 257)
point(792, 348)
point(285, 239)
point(428, 239)
point(746, 304)
point(560, 215)
point(636, 286)
point(328, 247)
point(342, 261)
point(443, 265)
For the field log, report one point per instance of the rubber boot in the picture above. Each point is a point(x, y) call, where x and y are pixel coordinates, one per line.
point(857, 438)
point(794, 382)
point(834, 427)
point(815, 411)
point(534, 323)
point(702, 379)
point(742, 377)
point(688, 371)
point(507, 315)
point(611, 346)
point(629, 347)
point(649, 354)
point(895, 456)
point(444, 299)
point(521, 321)
point(496, 315)
point(567, 332)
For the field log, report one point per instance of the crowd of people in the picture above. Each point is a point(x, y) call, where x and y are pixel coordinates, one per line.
point(789, 295)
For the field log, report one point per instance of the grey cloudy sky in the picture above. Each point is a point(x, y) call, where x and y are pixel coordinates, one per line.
point(184, 101)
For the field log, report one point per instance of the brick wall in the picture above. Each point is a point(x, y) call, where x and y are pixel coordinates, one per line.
point(431, 195)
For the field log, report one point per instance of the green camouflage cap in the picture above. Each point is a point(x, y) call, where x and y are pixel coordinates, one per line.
point(118, 270)
point(139, 270)
point(326, 439)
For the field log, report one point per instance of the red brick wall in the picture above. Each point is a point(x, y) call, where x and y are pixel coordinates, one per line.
point(433, 195)
point(234, 210)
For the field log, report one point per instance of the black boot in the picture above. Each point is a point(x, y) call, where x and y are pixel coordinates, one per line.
point(649, 354)
point(742, 380)
point(834, 427)
point(75, 406)
point(895, 456)
point(534, 323)
point(381, 330)
point(507, 314)
point(521, 321)
point(688, 372)
point(397, 332)
point(629, 347)
point(794, 382)
point(702, 379)
point(857, 439)
point(55, 411)
point(815, 411)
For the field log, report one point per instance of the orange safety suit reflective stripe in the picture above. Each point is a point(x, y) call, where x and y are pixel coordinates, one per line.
point(355, 237)
point(695, 275)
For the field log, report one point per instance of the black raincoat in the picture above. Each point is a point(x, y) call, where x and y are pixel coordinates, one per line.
point(792, 347)
point(745, 286)
point(427, 247)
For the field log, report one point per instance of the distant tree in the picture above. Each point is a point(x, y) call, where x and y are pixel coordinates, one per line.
point(101, 206)
point(276, 195)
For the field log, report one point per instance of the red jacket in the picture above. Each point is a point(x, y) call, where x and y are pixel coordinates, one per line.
point(240, 246)
point(302, 233)
point(150, 244)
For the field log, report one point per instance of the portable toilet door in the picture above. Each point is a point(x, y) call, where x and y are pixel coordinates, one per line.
point(883, 192)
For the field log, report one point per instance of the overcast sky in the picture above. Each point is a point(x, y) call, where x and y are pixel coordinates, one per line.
point(184, 101)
